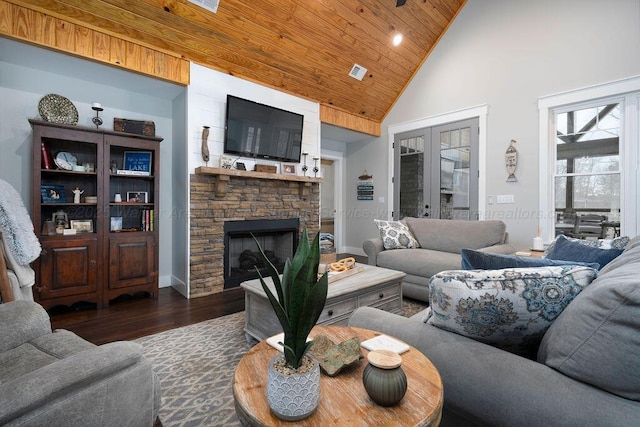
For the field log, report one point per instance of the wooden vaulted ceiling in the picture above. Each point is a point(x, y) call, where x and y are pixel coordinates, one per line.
point(302, 47)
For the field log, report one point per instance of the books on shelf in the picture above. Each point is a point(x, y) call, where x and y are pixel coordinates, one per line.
point(147, 220)
point(132, 173)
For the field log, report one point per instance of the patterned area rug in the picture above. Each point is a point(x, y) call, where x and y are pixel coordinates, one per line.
point(196, 364)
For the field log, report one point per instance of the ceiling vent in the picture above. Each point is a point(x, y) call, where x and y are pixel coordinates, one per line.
point(357, 72)
point(211, 5)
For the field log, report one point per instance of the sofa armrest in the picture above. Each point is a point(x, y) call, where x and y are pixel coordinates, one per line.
point(21, 322)
point(372, 247)
point(488, 386)
point(67, 379)
point(504, 248)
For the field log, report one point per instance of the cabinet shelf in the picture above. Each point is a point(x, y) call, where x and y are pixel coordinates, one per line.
point(65, 172)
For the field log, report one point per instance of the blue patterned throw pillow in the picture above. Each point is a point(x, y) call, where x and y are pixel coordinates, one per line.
point(570, 250)
point(396, 235)
point(509, 308)
point(478, 260)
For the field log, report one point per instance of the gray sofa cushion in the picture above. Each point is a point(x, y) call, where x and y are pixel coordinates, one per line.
point(597, 338)
point(453, 235)
point(484, 385)
point(418, 262)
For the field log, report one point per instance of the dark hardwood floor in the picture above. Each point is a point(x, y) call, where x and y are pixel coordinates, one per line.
point(131, 317)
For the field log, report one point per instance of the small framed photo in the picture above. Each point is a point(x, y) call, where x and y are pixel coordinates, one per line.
point(138, 161)
point(116, 223)
point(53, 194)
point(288, 168)
point(138, 196)
point(82, 225)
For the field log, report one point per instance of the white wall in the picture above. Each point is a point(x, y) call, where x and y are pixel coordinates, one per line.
point(27, 73)
point(208, 91)
point(505, 54)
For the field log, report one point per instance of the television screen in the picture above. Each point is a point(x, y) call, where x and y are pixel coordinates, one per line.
point(260, 131)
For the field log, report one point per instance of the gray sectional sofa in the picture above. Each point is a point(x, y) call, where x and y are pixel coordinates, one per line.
point(586, 371)
point(58, 379)
point(440, 244)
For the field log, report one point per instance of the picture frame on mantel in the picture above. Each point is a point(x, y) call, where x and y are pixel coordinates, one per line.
point(288, 168)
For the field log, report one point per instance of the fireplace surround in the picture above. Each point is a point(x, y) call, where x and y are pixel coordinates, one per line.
point(219, 195)
point(278, 239)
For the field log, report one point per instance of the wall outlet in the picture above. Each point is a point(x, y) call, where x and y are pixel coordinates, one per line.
point(505, 198)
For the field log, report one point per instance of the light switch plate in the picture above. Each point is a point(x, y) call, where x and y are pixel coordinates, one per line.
point(505, 198)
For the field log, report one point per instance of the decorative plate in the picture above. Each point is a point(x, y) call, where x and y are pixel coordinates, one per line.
point(65, 160)
point(57, 109)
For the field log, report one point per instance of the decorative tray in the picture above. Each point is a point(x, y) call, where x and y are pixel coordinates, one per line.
point(335, 275)
point(57, 109)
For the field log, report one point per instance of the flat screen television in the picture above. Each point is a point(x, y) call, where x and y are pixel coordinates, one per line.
point(261, 131)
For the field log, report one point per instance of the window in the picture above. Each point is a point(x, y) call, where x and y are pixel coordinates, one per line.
point(587, 167)
point(589, 154)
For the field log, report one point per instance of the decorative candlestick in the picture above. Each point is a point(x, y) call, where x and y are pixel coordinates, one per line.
point(304, 165)
point(97, 107)
point(315, 167)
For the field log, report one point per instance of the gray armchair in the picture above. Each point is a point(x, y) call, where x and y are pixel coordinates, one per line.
point(57, 378)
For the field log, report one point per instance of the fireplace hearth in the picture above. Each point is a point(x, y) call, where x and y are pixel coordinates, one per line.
point(278, 238)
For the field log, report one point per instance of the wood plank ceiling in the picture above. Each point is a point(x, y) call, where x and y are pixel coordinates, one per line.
point(302, 47)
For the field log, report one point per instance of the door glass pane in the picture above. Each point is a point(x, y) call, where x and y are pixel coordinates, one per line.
point(587, 170)
point(412, 177)
point(454, 175)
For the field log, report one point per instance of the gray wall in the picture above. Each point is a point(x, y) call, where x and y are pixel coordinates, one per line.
point(27, 73)
point(505, 54)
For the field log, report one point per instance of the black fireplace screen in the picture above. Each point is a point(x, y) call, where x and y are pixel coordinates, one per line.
point(278, 239)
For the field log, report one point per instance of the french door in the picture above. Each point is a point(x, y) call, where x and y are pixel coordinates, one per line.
point(436, 172)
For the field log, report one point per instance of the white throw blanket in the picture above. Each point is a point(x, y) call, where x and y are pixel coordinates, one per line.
point(16, 227)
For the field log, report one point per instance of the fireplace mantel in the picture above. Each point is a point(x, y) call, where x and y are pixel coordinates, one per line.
point(223, 176)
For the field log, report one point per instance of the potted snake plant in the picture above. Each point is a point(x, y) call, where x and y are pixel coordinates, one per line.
point(298, 301)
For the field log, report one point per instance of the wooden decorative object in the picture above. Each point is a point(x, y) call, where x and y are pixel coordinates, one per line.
point(204, 148)
point(139, 127)
point(5, 286)
point(266, 168)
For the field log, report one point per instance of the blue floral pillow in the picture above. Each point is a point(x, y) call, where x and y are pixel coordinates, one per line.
point(509, 308)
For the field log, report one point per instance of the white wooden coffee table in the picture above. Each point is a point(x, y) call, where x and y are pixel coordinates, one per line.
point(373, 287)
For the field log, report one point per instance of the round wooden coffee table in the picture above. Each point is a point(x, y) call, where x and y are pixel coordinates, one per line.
point(343, 399)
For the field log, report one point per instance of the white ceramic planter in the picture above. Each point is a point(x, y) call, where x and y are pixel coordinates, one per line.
point(293, 397)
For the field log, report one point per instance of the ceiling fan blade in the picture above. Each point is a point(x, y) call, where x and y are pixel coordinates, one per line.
point(400, 3)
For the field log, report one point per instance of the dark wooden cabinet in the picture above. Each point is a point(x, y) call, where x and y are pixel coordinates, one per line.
point(67, 269)
point(113, 250)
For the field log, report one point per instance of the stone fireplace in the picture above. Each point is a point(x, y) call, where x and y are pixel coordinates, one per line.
point(220, 196)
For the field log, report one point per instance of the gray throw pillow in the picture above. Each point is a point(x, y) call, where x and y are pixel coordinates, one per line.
point(395, 235)
point(596, 339)
point(568, 250)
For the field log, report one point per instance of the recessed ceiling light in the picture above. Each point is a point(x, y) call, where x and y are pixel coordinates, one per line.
point(397, 39)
